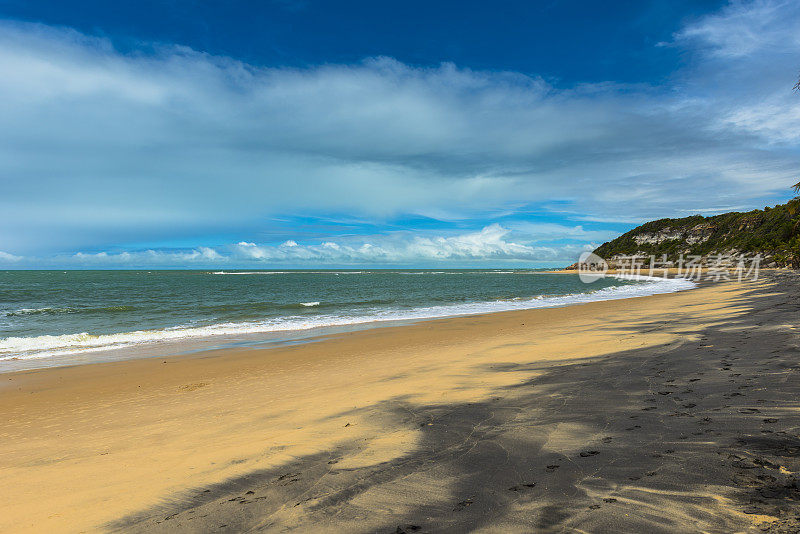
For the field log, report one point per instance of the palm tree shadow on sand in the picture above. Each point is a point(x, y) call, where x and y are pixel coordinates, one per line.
point(693, 436)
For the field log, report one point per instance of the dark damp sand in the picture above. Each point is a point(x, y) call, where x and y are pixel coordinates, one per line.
point(673, 413)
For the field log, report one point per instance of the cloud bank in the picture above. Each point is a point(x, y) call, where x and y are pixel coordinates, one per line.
point(494, 244)
point(101, 149)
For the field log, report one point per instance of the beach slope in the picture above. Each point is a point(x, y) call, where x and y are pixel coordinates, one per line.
point(675, 412)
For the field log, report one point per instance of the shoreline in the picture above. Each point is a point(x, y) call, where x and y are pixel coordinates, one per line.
point(425, 424)
point(184, 341)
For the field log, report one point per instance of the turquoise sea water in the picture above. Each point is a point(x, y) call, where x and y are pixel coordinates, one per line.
point(49, 315)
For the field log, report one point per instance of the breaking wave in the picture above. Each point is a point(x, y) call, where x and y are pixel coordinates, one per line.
point(53, 345)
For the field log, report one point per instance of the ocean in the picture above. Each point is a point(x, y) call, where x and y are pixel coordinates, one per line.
point(50, 318)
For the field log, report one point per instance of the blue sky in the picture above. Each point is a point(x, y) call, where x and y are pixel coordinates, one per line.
point(304, 133)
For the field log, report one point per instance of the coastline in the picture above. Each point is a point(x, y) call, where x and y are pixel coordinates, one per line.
point(408, 425)
point(58, 350)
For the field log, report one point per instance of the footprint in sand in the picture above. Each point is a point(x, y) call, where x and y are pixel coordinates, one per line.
point(522, 487)
point(463, 504)
point(288, 478)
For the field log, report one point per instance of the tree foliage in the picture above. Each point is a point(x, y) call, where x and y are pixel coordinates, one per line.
point(772, 232)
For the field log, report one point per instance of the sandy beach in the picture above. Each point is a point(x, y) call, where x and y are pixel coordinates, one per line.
point(676, 412)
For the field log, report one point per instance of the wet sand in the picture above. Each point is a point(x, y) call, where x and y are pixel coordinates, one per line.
point(676, 412)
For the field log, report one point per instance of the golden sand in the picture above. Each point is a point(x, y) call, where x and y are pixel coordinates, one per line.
point(84, 446)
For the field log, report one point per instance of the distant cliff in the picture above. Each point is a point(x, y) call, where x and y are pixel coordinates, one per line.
point(772, 232)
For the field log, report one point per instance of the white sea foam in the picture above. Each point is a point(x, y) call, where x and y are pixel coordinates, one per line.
point(45, 346)
point(53, 311)
point(286, 272)
point(310, 304)
point(251, 272)
point(240, 273)
point(34, 311)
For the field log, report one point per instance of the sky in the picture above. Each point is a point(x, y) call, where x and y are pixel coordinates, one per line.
point(304, 133)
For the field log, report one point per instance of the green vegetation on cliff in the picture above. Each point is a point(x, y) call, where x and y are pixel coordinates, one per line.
point(772, 232)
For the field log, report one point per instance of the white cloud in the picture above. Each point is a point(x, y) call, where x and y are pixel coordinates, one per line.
point(6, 257)
point(742, 29)
point(548, 231)
point(493, 243)
point(748, 57)
point(101, 148)
point(147, 257)
point(487, 244)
